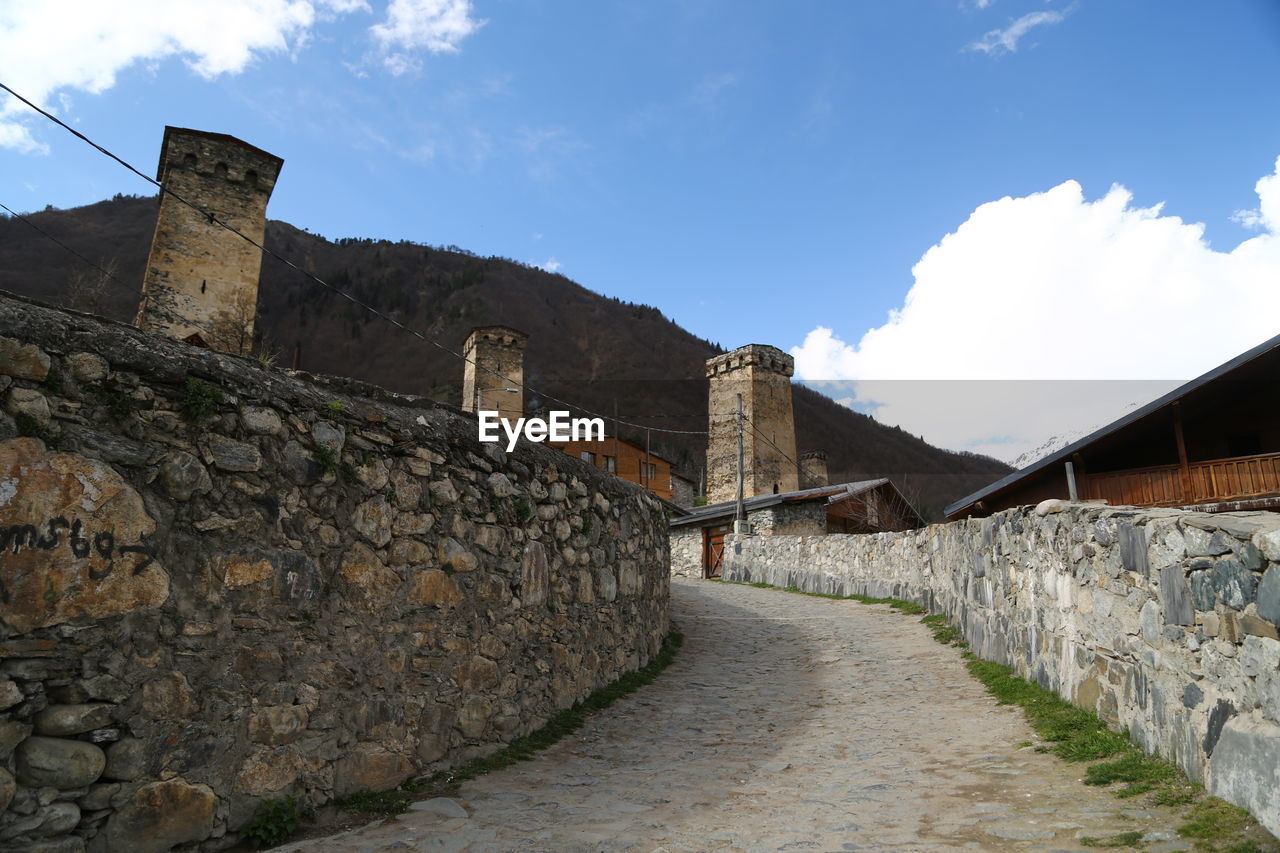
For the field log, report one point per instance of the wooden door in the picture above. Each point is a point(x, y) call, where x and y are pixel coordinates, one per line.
point(713, 550)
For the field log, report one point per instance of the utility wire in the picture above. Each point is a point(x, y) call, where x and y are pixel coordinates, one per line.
point(759, 432)
point(22, 218)
point(370, 309)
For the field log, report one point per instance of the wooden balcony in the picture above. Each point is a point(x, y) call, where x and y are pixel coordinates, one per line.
point(1213, 481)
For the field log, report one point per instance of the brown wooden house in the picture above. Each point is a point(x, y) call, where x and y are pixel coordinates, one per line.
point(1212, 444)
point(627, 460)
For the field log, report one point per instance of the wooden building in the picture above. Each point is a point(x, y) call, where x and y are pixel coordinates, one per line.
point(868, 506)
point(1212, 445)
point(627, 460)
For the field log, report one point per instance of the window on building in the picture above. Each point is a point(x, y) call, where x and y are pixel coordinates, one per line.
point(650, 470)
point(588, 456)
point(610, 464)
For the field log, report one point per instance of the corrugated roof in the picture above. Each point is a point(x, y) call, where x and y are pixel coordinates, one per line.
point(1116, 425)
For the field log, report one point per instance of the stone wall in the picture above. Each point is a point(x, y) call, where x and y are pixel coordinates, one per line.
point(808, 518)
point(686, 552)
point(220, 584)
point(1163, 622)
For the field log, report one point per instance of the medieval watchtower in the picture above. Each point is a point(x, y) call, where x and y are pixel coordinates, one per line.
point(813, 469)
point(493, 376)
point(762, 375)
point(201, 282)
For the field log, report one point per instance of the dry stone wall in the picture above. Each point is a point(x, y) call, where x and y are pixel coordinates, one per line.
point(221, 584)
point(1163, 622)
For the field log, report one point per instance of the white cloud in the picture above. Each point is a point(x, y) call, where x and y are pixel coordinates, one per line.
point(1006, 40)
point(1267, 214)
point(46, 47)
point(437, 26)
point(51, 47)
point(550, 265)
point(1053, 286)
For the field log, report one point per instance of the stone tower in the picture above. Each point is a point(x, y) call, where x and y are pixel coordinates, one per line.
point(201, 282)
point(493, 375)
point(762, 375)
point(813, 469)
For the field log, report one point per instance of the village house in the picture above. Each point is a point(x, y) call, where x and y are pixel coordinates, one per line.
point(1211, 445)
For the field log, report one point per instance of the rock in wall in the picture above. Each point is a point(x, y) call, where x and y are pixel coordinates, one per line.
point(1161, 621)
point(221, 584)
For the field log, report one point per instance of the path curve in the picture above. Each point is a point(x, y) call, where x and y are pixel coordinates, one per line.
point(787, 722)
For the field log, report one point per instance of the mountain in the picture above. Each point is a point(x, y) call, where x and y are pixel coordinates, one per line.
point(1054, 443)
point(598, 353)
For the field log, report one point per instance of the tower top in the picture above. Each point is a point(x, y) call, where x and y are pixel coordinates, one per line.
point(499, 335)
point(752, 355)
point(204, 150)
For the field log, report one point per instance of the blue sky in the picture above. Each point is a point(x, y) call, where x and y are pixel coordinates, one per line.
point(761, 172)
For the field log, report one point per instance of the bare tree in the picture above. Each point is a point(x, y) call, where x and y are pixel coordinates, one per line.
point(87, 288)
point(231, 329)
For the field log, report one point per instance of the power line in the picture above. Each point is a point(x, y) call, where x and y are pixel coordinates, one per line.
point(374, 311)
point(22, 218)
point(759, 432)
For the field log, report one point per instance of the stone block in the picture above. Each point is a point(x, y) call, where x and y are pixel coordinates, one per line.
point(372, 520)
point(87, 366)
point(64, 720)
point(8, 787)
point(30, 403)
point(370, 767)
point(329, 435)
point(162, 815)
point(1245, 768)
point(261, 420)
point(453, 553)
point(23, 361)
point(434, 588)
point(276, 725)
point(231, 455)
point(58, 763)
point(366, 582)
point(1268, 595)
point(1176, 597)
point(169, 697)
point(1234, 584)
point(183, 475)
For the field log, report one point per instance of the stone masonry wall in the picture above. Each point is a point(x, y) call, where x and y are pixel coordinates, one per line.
point(288, 585)
point(686, 552)
point(1161, 621)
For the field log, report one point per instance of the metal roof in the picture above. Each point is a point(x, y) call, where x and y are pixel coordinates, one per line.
point(1115, 426)
point(830, 494)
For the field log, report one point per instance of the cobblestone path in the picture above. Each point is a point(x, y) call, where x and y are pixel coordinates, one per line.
point(787, 722)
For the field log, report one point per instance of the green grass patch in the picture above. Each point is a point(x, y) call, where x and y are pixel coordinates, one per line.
point(199, 399)
point(273, 822)
point(1121, 839)
point(1213, 820)
point(522, 748)
point(1071, 733)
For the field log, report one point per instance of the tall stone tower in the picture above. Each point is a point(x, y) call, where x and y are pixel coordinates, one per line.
point(493, 375)
point(762, 375)
point(201, 279)
point(813, 469)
